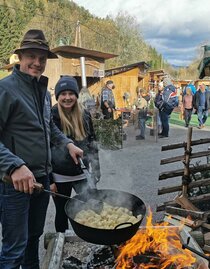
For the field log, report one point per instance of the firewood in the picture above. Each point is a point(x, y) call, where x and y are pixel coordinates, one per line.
point(206, 248)
point(207, 238)
point(182, 220)
point(199, 237)
point(185, 213)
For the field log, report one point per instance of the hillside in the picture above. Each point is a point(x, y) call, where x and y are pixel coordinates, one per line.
point(59, 19)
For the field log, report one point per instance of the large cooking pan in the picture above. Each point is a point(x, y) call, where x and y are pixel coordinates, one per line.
point(114, 198)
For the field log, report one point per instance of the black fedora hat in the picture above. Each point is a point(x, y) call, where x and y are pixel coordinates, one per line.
point(35, 39)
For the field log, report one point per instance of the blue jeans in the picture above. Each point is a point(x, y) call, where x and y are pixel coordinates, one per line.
point(142, 123)
point(202, 115)
point(165, 116)
point(22, 217)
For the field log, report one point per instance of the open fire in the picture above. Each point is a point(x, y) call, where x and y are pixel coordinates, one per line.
point(155, 246)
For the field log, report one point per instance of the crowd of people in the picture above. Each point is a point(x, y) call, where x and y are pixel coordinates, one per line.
point(189, 100)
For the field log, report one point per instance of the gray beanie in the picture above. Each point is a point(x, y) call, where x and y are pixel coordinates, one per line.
point(66, 83)
point(167, 81)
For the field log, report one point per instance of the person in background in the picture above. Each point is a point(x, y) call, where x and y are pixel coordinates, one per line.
point(142, 108)
point(76, 123)
point(107, 100)
point(191, 86)
point(201, 102)
point(27, 130)
point(188, 106)
point(158, 103)
point(166, 106)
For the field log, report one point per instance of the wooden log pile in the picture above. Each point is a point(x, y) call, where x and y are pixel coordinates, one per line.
point(183, 209)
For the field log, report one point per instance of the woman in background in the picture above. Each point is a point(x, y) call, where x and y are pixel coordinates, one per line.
point(188, 106)
point(75, 122)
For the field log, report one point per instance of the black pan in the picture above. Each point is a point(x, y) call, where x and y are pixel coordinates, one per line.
point(114, 198)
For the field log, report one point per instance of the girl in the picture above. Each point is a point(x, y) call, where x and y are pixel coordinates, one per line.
point(76, 123)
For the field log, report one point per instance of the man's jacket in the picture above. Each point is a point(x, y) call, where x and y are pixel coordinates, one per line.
point(26, 126)
point(196, 99)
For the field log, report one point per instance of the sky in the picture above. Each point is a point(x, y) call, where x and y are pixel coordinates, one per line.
point(175, 28)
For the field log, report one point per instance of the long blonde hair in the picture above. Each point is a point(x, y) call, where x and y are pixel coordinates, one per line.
point(72, 121)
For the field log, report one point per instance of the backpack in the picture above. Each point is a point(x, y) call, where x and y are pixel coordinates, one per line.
point(170, 98)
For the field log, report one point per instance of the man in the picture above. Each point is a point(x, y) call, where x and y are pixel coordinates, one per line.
point(26, 131)
point(107, 100)
point(201, 102)
point(167, 104)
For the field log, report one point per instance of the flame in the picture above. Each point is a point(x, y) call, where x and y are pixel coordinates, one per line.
point(159, 241)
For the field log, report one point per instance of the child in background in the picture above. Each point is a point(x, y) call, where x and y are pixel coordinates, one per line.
point(188, 106)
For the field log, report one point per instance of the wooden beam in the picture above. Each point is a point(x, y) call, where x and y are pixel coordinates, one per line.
point(180, 172)
point(193, 184)
point(182, 157)
point(184, 144)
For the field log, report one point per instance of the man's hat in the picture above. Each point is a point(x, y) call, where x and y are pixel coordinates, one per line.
point(35, 39)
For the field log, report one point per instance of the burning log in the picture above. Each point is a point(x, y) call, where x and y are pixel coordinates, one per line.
point(155, 246)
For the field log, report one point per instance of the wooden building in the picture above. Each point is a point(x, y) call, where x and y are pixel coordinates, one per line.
point(205, 80)
point(127, 80)
point(152, 79)
point(181, 83)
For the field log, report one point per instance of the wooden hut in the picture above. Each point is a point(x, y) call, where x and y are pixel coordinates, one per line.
point(68, 63)
point(127, 80)
point(205, 80)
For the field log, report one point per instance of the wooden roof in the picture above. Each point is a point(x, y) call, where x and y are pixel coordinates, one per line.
point(77, 52)
point(74, 52)
point(159, 72)
point(124, 68)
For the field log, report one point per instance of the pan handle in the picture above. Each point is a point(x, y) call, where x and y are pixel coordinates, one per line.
point(81, 163)
point(122, 224)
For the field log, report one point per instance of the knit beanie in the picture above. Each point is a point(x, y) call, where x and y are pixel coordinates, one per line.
point(66, 83)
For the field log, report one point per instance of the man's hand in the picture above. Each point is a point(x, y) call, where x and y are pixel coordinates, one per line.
point(23, 179)
point(75, 152)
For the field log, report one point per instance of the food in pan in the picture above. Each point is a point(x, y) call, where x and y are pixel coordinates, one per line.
point(109, 218)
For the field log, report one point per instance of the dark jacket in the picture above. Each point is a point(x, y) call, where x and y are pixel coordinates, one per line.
point(61, 161)
point(26, 126)
point(168, 100)
point(196, 99)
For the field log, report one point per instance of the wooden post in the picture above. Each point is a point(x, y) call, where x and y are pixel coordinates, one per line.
point(183, 199)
